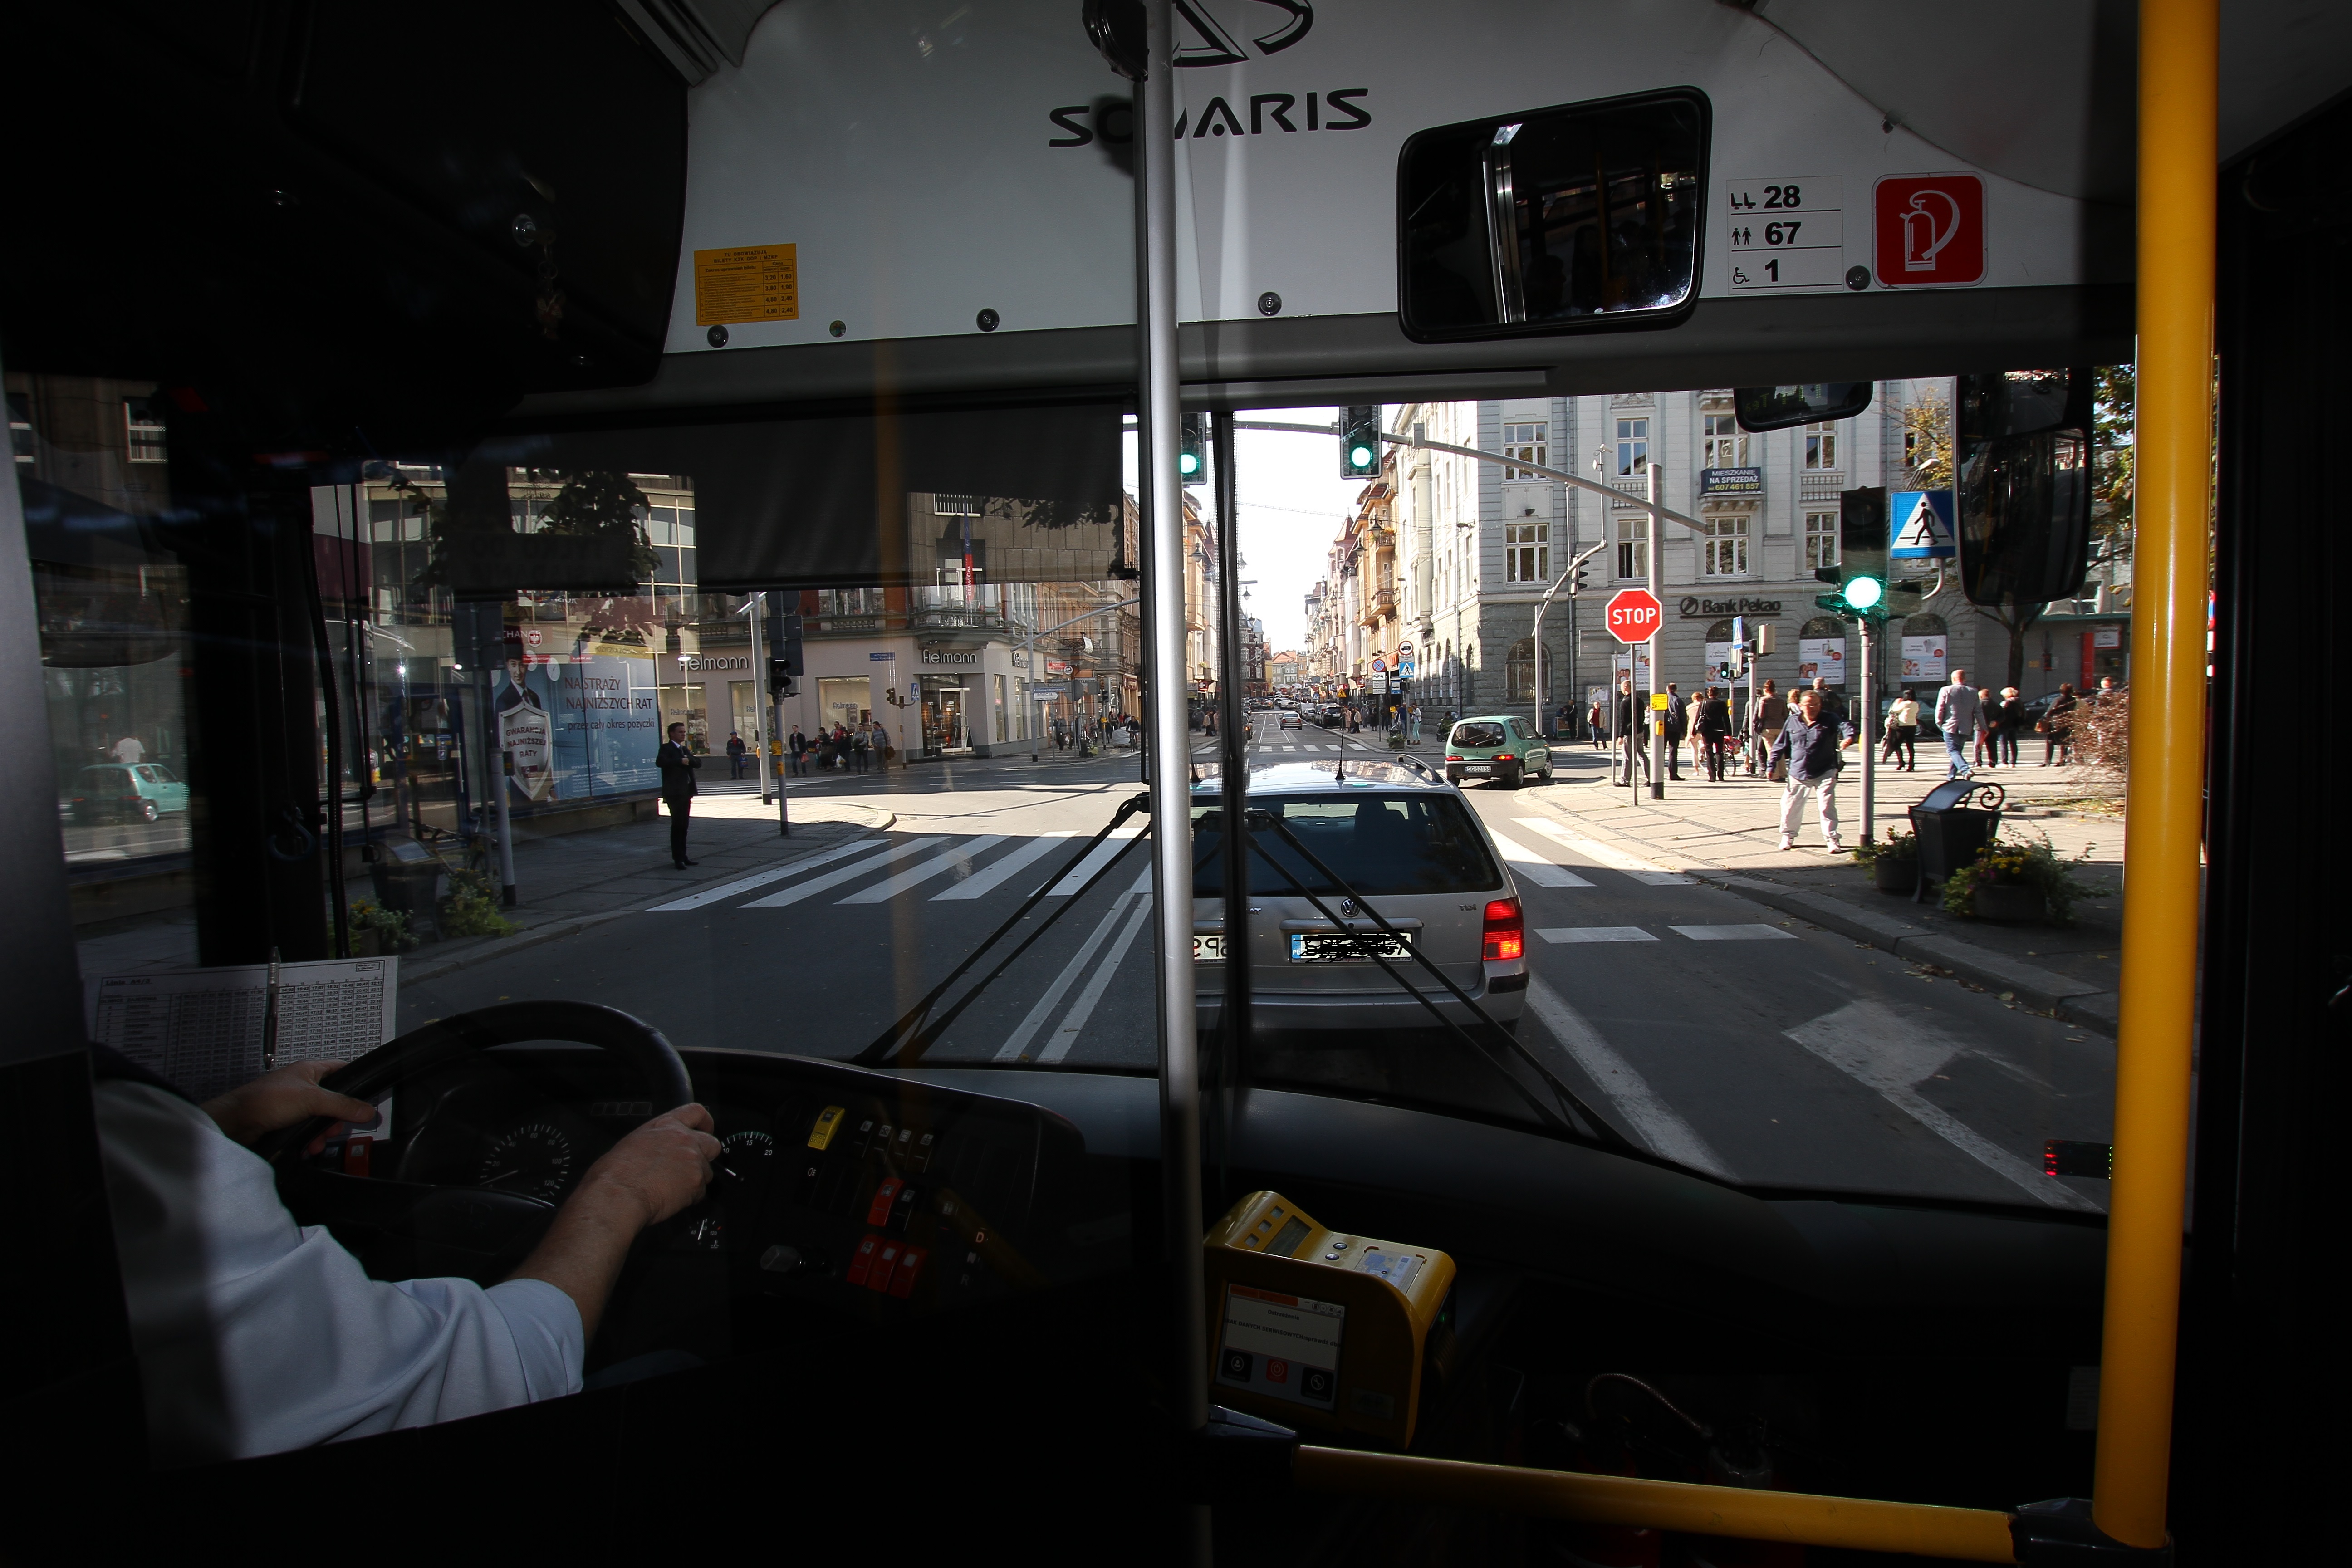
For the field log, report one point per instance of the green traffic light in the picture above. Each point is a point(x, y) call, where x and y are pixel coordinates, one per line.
point(1360, 457)
point(1862, 592)
point(1188, 463)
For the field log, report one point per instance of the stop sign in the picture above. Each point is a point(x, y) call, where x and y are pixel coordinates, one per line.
point(1635, 615)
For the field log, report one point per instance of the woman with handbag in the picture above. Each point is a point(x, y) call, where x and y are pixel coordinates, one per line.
point(1903, 733)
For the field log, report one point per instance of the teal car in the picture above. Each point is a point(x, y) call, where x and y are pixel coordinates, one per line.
point(1500, 746)
point(119, 792)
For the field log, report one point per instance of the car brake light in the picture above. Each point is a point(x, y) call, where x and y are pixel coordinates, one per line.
point(1453, 756)
point(1502, 756)
point(1507, 932)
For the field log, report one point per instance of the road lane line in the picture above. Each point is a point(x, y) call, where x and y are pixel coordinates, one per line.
point(1892, 1053)
point(996, 876)
point(1074, 1023)
point(1595, 933)
point(833, 879)
point(1017, 1042)
point(914, 876)
point(1097, 858)
point(1608, 855)
point(762, 878)
point(1526, 862)
point(1736, 933)
point(1653, 1120)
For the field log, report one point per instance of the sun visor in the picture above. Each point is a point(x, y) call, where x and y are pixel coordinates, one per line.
point(1016, 493)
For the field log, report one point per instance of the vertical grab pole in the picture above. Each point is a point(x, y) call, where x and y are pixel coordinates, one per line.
point(1233, 795)
point(2178, 92)
point(1171, 824)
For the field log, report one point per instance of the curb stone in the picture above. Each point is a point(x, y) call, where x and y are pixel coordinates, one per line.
point(2043, 990)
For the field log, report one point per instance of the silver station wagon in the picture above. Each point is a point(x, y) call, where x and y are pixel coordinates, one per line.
point(1399, 838)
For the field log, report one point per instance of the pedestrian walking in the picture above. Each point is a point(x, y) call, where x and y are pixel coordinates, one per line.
point(861, 748)
point(1902, 732)
point(1598, 719)
point(1832, 701)
point(799, 751)
point(1812, 745)
point(678, 767)
point(1771, 717)
point(2057, 726)
point(1988, 723)
point(1957, 708)
point(1678, 726)
point(2011, 719)
point(1627, 736)
point(735, 750)
point(1713, 724)
point(129, 751)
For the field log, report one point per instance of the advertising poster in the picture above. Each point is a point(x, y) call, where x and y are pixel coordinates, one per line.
point(1620, 661)
point(1923, 658)
point(1822, 656)
point(580, 728)
point(1718, 654)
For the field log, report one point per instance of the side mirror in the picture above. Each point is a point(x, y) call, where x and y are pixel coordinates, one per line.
point(1810, 403)
point(2024, 470)
point(1555, 220)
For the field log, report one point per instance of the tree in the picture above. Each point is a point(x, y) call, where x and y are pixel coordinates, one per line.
point(596, 504)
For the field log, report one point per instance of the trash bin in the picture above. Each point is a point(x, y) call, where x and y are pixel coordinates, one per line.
point(1951, 831)
point(408, 878)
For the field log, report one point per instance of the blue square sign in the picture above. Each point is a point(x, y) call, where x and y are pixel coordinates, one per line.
point(1922, 525)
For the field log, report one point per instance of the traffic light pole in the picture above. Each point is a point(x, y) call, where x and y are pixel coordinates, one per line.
point(1657, 726)
point(757, 610)
point(1567, 580)
point(1869, 752)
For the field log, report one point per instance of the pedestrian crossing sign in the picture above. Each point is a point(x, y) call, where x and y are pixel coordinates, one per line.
point(1923, 526)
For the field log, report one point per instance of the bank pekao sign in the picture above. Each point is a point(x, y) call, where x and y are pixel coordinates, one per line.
point(1693, 609)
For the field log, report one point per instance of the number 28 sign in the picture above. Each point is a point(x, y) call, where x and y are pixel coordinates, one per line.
point(1635, 615)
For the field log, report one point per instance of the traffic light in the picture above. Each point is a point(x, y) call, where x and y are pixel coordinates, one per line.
point(1584, 569)
point(1189, 462)
point(1861, 571)
point(783, 629)
point(1360, 441)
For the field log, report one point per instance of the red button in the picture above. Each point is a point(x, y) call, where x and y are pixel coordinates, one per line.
point(879, 1213)
point(910, 1268)
point(355, 1155)
point(886, 1258)
point(862, 1260)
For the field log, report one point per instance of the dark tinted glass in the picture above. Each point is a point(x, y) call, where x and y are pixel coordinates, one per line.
point(1376, 844)
point(1480, 734)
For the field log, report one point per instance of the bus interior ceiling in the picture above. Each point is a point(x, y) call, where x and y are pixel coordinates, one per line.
point(441, 247)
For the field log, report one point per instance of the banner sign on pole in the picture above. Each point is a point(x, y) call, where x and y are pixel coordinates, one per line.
point(1922, 525)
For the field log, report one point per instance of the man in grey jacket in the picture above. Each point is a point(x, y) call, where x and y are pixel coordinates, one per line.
point(1958, 710)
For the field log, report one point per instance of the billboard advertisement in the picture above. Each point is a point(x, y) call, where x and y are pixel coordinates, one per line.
point(578, 729)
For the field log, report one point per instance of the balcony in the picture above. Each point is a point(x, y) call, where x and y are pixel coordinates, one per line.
point(1820, 484)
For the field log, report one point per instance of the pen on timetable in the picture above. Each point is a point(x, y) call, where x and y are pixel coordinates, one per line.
point(269, 1017)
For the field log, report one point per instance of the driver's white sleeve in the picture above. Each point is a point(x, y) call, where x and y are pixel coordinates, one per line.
point(256, 1335)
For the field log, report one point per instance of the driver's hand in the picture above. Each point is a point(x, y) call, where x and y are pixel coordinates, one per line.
point(662, 1166)
point(282, 1098)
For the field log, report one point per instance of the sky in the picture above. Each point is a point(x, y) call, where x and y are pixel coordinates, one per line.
point(1293, 501)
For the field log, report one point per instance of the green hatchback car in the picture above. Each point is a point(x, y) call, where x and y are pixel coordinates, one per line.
point(1500, 746)
point(121, 792)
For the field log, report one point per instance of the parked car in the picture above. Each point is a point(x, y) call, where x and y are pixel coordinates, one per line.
point(1501, 747)
point(121, 792)
point(1404, 842)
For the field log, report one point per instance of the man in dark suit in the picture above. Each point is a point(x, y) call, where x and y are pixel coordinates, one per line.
point(677, 764)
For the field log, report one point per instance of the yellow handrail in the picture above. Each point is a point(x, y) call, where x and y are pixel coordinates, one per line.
point(1967, 1535)
point(2179, 91)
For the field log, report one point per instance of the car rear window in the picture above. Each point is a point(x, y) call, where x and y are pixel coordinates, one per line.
point(1477, 735)
point(1375, 843)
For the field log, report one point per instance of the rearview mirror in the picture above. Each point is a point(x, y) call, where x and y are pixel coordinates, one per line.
point(1555, 220)
point(1808, 402)
point(2024, 470)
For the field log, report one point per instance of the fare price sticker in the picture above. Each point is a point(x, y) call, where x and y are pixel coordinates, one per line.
point(1285, 1347)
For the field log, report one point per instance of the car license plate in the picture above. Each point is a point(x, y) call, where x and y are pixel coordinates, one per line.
point(1208, 948)
point(1478, 768)
point(1343, 947)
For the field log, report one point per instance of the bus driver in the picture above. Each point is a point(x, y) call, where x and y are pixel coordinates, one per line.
point(255, 1334)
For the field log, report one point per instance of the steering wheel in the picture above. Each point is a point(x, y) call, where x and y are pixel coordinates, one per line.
point(405, 1230)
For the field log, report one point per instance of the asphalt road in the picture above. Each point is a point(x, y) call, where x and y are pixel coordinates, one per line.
point(1716, 1031)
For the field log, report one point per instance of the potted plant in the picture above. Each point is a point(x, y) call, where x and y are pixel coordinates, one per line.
point(377, 932)
point(1893, 862)
point(2013, 880)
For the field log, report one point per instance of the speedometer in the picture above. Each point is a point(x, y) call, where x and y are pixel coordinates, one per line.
point(533, 1161)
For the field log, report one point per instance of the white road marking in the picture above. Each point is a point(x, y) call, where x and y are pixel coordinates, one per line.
point(1608, 855)
point(1074, 1023)
point(1595, 933)
point(915, 876)
point(831, 879)
point(1544, 873)
point(1024, 1032)
point(1735, 933)
point(762, 878)
point(1892, 1052)
point(995, 877)
point(1098, 857)
point(1653, 1120)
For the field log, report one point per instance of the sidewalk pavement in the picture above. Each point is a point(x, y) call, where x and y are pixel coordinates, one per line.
point(1727, 835)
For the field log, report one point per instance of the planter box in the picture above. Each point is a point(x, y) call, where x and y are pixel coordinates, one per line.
point(1890, 875)
point(2008, 903)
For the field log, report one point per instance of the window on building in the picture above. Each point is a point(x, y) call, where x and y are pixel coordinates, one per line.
point(956, 506)
point(1528, 444)
point(1633, 546)
point(1527, 556)
point(1724, 547)
point(1519, 671)
point(1633, 446)
point(1820, 445)
point(1727, 444)
point(146, 432)
point(1820, 540)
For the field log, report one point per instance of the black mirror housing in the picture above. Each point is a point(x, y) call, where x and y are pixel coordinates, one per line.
point(1764, 408)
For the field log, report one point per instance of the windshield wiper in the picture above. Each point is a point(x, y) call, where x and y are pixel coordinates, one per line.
point(1602, 1131)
